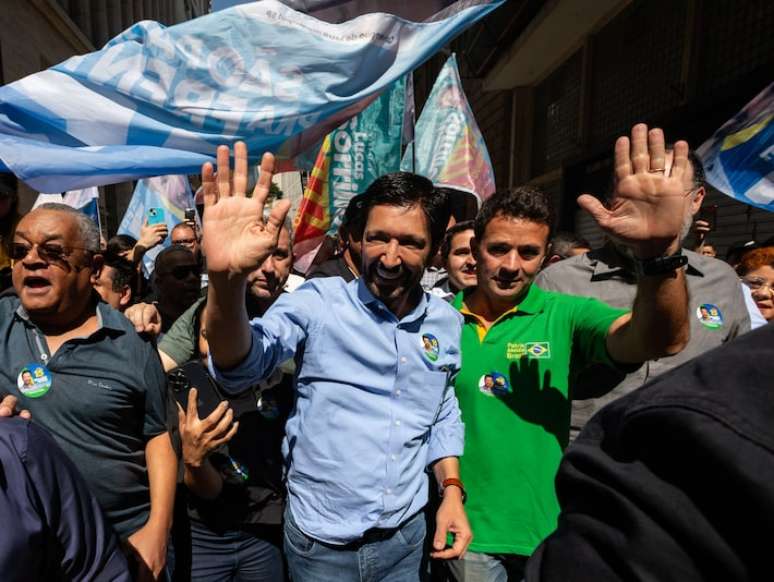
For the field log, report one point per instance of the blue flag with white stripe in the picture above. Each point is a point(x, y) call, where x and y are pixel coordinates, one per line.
point(159, 100)
point(739, 158)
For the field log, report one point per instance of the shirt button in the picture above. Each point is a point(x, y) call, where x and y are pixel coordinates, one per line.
point(403, 359)
point(393, 457)
point(397, 423)
point(388, 491)
point(397, 392)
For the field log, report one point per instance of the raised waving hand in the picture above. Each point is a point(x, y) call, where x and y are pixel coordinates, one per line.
point(236, 238)
point(646, 212)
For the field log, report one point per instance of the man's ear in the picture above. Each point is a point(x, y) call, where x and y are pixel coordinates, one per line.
point(698, 198)
point(97, 262)
point(126, 296)
point(551, 260)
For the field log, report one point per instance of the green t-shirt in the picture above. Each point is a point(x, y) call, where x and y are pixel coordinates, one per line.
point(181, 342)
point(513, 393)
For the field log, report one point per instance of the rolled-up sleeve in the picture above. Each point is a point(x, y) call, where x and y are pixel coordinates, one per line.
point(275, 338)
point(447, 435)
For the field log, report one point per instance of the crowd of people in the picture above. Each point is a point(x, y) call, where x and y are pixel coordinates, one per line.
point(474, 400)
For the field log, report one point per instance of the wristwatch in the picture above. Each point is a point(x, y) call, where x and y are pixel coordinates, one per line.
point(660, 265)
point(456, 483)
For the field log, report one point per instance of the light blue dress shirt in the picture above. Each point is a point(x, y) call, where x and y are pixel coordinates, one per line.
point(375, 404)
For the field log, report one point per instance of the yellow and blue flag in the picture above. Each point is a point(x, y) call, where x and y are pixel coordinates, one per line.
point(739, 158)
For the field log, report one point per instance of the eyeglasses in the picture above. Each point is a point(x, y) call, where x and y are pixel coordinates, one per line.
point(182, 271)
point(756, 284)
point(184, 241)
point(48, 252)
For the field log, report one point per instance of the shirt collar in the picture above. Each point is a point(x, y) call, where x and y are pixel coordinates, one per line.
point(534, 302)
point(106, 318)
point(368, 299)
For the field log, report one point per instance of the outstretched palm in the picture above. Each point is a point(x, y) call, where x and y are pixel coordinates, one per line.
point(236, 239)
point(648, 204)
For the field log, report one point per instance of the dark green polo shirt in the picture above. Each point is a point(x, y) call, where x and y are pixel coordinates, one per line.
point(512, 391)
point(106, 400)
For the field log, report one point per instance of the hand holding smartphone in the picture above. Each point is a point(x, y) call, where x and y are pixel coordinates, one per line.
point(156, 216)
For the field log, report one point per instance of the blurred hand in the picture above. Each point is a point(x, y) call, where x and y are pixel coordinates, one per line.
point(145, 318)
point(9, 407)
point(647, 210)
point(235, 236)
point(700, 230)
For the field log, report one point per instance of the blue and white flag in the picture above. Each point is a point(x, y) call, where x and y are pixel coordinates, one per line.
point(170, 193)
point(86, 200)
point(739, 158)
point(159, 100)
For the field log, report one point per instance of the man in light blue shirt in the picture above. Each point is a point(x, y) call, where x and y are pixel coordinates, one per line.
point(375, 362)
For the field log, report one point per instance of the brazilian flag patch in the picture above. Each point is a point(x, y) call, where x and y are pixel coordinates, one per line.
point(539, 350)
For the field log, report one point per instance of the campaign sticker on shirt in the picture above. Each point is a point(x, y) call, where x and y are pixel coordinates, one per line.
point(430, 346)
point(494, 384)
point(710, 316)
point(34, 380)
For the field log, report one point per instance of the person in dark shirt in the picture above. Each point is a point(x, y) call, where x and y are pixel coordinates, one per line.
point(53, 528)
point(98, 388)
point(673, 482)
point(234, 476)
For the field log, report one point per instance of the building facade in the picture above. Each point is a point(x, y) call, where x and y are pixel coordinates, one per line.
point(552, 84)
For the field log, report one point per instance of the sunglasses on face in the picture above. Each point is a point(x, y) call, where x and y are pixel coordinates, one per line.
point(184, 241)
point(48, 252)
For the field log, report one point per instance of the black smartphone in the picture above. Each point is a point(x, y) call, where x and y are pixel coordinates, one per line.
point(190, 214)
point(709, 214)
point(194, 375)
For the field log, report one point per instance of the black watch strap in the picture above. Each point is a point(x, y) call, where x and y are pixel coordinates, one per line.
point(660, 265)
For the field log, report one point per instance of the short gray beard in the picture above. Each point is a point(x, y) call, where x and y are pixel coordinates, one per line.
point(685, 230)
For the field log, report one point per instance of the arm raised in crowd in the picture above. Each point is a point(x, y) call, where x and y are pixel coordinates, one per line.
point(236, 240)
point(646, 214)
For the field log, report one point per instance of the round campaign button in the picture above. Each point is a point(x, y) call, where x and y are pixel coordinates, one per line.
point(34, 380)
point(430, 346)
point(494, 384)
point(710, 316)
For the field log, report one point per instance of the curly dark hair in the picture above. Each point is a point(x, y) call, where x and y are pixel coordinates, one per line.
point(525, 202)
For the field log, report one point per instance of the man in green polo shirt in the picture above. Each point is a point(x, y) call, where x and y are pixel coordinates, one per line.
point(520, 345)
